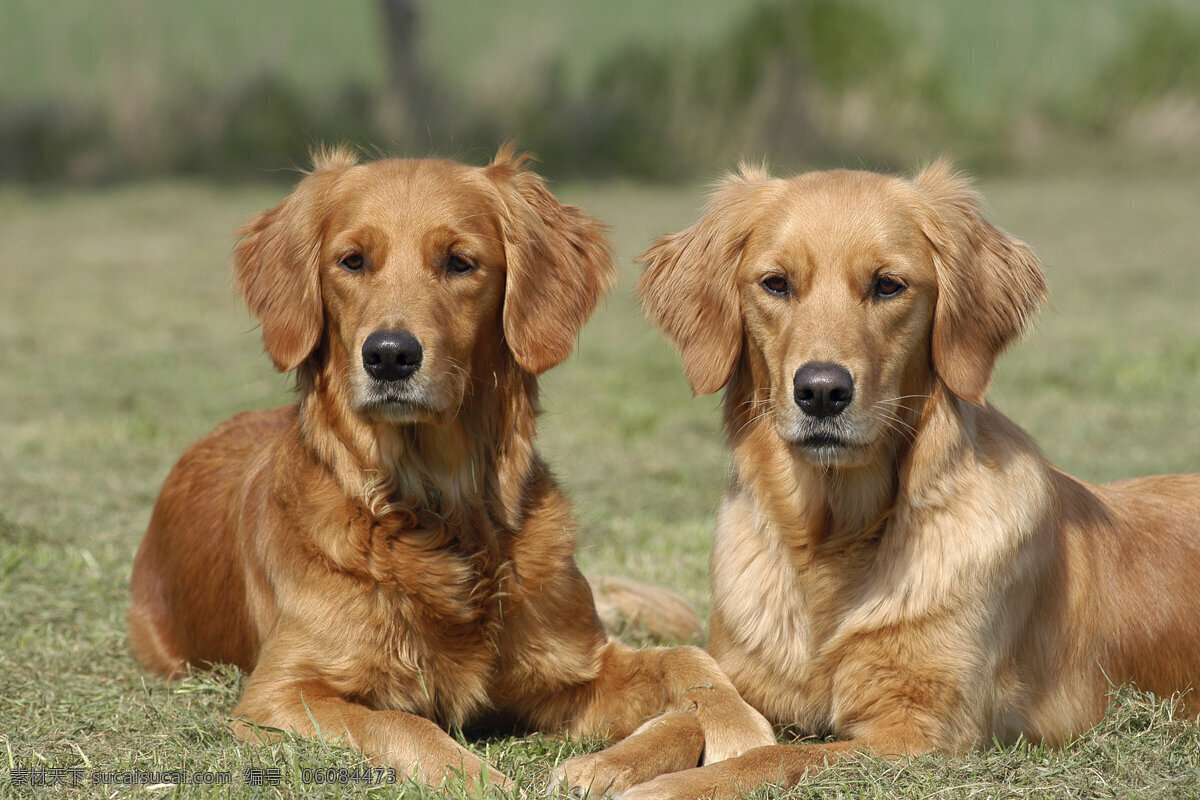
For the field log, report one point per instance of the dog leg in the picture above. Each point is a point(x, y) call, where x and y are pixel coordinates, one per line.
point(636, 684)
point(695, 683)
point(658, 613)
point(668, 743)
point(416, 747)
point(781, 764)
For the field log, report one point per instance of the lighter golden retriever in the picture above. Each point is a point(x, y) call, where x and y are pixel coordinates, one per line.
point(390, 556)
point(895, 562)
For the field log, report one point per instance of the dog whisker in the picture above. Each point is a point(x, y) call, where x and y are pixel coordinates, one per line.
point(759, 397)
point(893, 418)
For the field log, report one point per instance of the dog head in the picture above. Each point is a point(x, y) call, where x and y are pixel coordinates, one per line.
point(399, 282)
point(843, 295)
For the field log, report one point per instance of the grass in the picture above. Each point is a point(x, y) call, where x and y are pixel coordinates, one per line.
point(121, 342)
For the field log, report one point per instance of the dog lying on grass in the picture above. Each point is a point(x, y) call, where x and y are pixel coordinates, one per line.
point(895, 562)
point(390, 556)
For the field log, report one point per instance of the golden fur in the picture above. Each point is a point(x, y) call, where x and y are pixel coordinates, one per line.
point(905, 572)
point(390, 556)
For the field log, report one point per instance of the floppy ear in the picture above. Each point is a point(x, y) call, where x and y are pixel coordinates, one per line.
point(689, 287)
point(989, 284)
point(276, 265)
point(559, 263)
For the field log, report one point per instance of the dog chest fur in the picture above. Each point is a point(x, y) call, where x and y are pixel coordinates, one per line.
point(798, 612)
point(405, 576)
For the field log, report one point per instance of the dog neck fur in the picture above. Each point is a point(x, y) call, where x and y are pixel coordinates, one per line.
point(815, 507)
point(476, 461)
point(810, 505)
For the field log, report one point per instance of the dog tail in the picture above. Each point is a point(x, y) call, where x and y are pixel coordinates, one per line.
point(638, 610)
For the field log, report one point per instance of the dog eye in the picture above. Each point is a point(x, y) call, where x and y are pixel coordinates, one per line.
point(352, 262)
point(458, 264)
point(776, 285)
point(887, 286)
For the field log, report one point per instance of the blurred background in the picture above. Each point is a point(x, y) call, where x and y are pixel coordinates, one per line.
point(664, 90)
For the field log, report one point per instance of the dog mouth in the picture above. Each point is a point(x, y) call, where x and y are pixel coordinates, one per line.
point(818, 441)
point(826, 448)
point(396, 410)
point(386, 402)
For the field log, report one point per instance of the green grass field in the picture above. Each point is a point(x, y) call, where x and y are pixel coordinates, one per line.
point(121, 342)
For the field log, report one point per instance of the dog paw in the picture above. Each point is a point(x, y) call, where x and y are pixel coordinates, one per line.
point(690, 784)
point(666, 743)
point(730, 734)
point(592, 776)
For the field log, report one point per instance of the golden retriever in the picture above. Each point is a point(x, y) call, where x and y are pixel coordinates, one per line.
point(895, 562)
point(390, 556)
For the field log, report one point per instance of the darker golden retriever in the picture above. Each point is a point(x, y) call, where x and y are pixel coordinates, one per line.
point(895, 562)
point(390, 556)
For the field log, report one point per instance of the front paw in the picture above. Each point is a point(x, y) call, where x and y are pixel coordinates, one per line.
point(731, 732)
point(590, 776)
point(667, 743)
point(701, 783)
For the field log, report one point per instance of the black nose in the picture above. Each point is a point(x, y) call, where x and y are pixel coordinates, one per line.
point(823, 390)
point(391, 355)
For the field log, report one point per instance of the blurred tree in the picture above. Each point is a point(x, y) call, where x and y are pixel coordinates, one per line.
point(408, 79)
